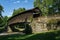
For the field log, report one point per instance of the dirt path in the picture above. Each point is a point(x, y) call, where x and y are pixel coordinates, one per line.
point(2, 34)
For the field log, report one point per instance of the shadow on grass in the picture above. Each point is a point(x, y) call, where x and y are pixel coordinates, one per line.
point(55, 35)
point(46, 36)
point(12, 37)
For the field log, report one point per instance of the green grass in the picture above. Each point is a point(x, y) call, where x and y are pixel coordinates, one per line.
point(53, 35)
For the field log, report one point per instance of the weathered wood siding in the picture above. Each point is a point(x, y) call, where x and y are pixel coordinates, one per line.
point(21, 18)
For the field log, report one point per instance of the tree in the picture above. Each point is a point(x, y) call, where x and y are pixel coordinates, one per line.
point(41, 4)
point(54, 8)
point(48, 6)
point(1, 10)
point(3, 21)
point(3, 24)
point(18, 11)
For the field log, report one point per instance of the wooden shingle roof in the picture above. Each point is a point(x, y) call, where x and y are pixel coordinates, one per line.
point(31, 10)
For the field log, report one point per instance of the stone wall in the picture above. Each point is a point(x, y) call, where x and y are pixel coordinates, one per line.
point(40, 24)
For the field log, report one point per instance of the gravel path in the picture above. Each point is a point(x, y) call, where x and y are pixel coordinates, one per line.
point(2, 34)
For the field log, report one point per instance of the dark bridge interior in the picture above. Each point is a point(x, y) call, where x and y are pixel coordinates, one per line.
point(22, 25)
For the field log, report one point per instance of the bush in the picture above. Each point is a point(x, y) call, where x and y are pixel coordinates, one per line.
point(52, 24)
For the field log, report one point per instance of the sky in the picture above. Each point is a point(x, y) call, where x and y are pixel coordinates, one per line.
point(10, 5)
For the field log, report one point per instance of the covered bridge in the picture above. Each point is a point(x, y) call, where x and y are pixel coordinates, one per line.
point(25, 18)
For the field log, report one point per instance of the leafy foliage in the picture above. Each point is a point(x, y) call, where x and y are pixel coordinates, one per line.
point(3, 21)
point(3, 24)
point(52, 24)
point(18, 11)
point(1, 10)
point(48, 7)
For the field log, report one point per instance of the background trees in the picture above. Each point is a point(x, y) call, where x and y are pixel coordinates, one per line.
point(3, 20)
point(1, 10)
point(18, 11)
point(48, 7)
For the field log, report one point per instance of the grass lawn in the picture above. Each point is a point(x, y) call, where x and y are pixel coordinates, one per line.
point(53, 35)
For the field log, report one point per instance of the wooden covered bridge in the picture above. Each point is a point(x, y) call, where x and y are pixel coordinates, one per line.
point(25, 18)
point(30, 21)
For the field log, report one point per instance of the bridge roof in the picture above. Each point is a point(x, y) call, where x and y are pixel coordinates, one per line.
point(31, 10)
